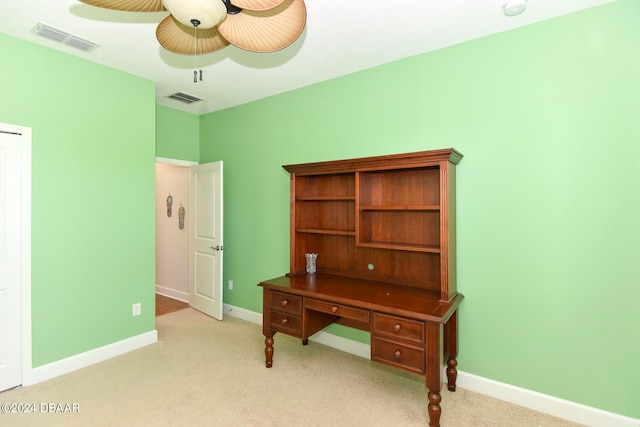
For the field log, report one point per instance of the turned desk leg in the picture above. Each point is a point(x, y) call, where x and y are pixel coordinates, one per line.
point(268, 350)
point(452, 374)
point(433, 380)
point(451, 350)
point(434, 363)
point(434, 409)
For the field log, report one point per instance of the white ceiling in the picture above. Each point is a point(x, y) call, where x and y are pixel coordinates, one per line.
point(341, 37)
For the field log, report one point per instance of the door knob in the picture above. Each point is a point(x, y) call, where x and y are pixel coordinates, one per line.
point(217, 248)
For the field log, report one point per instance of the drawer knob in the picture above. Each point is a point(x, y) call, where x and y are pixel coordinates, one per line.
point(397, 354)
point(284, 321)
point(284, 302)
point(397, 327)
point(334, 309)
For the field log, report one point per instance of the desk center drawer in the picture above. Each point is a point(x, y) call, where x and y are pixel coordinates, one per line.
point(338, 309)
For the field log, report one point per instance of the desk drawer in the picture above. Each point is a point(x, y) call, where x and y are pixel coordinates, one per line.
point(402, 356)
point(286, 302)
point(338, 310)
point(398, 327)
point(286, 323)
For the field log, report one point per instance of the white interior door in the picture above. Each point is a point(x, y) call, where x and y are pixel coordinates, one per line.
point(10, 250)
point(205, 239)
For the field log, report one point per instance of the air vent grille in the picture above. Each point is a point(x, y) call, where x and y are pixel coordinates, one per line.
point(183, 97)
point(64, 37)
point(79, 43)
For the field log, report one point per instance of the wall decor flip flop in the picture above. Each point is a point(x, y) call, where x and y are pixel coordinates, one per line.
point(169, 205)
point(181, 217)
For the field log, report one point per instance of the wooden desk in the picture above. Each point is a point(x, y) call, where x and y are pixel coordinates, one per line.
point(404, 322)
point(383, 229)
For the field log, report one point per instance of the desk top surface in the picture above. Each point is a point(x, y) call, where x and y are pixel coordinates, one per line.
point(380, 296)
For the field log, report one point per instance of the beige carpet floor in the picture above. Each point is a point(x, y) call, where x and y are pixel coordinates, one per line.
point(204, 372)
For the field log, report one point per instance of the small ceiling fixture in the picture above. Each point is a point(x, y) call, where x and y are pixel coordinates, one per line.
point(195, 24)
point(514, 7)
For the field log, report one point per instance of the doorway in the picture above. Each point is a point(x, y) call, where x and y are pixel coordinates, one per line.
point(172, 242)
point(189, 207)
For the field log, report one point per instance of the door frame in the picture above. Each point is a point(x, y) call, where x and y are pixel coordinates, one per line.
point(175, 162)
point(25, 247)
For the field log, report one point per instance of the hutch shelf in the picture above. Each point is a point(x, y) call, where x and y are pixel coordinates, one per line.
point(384, 231)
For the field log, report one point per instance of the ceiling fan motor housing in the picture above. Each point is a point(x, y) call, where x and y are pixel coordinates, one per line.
point(208, 12)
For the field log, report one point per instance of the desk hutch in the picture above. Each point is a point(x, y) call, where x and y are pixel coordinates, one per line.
point(384, 231)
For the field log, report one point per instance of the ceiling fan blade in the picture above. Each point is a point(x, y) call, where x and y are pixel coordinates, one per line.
point(178, 38)
point(265, 31)
point(128, 5)
point(256, 4)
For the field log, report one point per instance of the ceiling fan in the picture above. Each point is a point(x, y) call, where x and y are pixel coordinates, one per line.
point(253, 25)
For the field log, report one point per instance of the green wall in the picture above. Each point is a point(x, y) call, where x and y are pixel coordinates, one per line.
point(545, 115)
point(178, 134)
point(93, 196)
point(548, 202)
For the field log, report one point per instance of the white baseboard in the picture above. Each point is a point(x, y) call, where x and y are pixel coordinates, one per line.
point(242, 313)
point(78, 361)
point(172, 293)
point(560, 408)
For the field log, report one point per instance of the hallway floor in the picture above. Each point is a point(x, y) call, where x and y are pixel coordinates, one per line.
point(165, 305)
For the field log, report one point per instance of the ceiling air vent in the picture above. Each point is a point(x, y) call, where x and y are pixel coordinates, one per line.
point(183, 97)
point(64, 37)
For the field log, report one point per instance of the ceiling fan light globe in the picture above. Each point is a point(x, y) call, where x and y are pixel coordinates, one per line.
point(209, 12)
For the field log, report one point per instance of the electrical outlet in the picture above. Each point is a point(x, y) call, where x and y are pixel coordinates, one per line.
point(137, 309)
point(230, 285)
